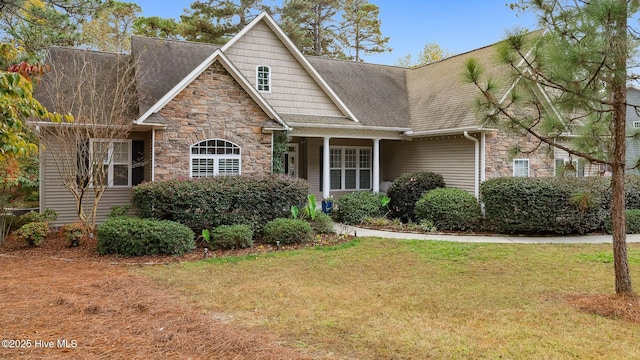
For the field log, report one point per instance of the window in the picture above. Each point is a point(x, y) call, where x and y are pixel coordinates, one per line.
point(263, 78)
point(115, 156)
point(570, 168)
point(215, 157)
point(350, 168)
point(521, 167)
point(636, 124)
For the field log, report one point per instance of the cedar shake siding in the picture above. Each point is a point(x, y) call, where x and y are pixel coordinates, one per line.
point(213, 106)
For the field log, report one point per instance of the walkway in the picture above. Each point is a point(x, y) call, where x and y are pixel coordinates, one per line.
point(507, 239)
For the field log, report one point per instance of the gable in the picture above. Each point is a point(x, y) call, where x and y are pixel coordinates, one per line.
point(293, 89)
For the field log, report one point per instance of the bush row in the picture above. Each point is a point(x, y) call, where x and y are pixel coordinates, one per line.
point(226, 200)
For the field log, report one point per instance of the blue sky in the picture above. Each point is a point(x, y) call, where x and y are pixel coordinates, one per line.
point(456, 25)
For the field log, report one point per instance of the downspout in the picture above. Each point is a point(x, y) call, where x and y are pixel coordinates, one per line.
point(476, 164)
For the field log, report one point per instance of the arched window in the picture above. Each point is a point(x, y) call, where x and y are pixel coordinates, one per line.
point(214, 157)
point(263, 78)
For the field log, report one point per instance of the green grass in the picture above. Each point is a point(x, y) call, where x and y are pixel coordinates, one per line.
point(390, 299)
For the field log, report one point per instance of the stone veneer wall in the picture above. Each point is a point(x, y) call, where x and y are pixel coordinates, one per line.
point(498, 162)
point(213, 106)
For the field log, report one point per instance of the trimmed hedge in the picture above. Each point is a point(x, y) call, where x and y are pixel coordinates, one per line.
point(322, 224)
point(354, 207)
point(449, 209)
point(406, 190)
point(231, 237)
point(633, 222)
point(546, 205)
point(287, 231)
point(207, 203)
point(136, 237)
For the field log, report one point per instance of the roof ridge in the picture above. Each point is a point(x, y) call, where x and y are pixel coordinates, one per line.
point(177, 40)
point(355, 62)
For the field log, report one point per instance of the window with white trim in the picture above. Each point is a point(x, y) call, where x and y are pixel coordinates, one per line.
point(636, 124)
point(115, 156)
point(214, 157)
point(350, 168)
point(263, 78)
point(521, 167)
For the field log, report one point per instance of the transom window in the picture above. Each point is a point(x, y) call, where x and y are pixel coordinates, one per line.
point(215, 157)
point(115, 156)
point(521, 167)
point(350, 168)
point(263, 78)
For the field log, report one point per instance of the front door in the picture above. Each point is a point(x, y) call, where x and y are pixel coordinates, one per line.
point(291, 160)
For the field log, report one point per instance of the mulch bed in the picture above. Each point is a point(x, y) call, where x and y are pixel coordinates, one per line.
point(55, 293)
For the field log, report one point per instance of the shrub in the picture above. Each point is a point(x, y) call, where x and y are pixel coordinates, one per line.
point(137, 237)
point(406, 190)
point(354, 207)
point(633, 222)
point(207, 203)
point(448, 209)
point(48, 215)
point(73, 232)
point(231, 237)
point(287, 231)
point(34, 232)
point(321, 224)
point(546, 205)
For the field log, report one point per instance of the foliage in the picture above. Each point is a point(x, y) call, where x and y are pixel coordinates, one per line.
point(207, 203)
point(354, 207)
point(287, 231)
point(295, 211)
point(310, 207)
point(48, 215)
point(409, 188)
point(632, 217)
point(545, 205)
point(111, 27)
point(312, 25)
point(155, 26)
point(117, 211)
point(130, 236)
point(360, 29)
point(431, 52)
point(321, 223)
point(232, 237)
point(34, 232)
point(280, 141)
point(74, 232)
point(448, 209)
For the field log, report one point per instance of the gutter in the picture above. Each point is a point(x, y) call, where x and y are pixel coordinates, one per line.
point(445, 131)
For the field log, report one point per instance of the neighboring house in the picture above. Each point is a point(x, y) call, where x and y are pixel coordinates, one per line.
point(207, 110)
point(633, 131)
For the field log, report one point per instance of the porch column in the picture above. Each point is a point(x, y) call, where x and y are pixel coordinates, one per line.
point(376, 165)
point(326, 168)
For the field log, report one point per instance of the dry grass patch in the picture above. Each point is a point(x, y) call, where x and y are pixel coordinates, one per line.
point(387, 299)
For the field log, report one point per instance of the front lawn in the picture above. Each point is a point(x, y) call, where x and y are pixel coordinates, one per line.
point(377, 299)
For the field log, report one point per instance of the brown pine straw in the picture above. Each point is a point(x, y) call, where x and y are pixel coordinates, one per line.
point(615, 306)
point(50, 294)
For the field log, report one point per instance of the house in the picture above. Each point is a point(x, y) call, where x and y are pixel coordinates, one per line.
point(207, 110)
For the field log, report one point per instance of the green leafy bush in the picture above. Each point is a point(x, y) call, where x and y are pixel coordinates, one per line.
point(321, 223)
point(34, 232)
point(354, 207)
point(449, 209)
point(406, 190)
point(136, 237)
point(231, 237)
point(207, 203)
point(287, 231)
point(546, 205)
point(74, 232)
point(48, 215)
point(633, 222)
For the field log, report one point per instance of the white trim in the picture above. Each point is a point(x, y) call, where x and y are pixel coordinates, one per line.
point(215, 157)
point(528, 166)
point(476, 164)
point(375, 177)
point(343, 168)
point(110, 161)
point(296, 151)
point(636, 125)
point(233, 71)
point(425, 133)
point(326, 172)
point(268, 79)
point(297, 54)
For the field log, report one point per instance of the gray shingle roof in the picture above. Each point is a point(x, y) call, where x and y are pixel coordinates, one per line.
point(376, 94)
point(162, 64)
point(439, 99)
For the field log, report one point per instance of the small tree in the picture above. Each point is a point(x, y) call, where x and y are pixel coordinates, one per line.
point(360, 29)
point(99, 90)
point(571, 79)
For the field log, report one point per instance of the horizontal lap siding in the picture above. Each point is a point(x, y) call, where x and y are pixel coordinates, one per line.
point(452, 157)
point(55, 196)
point(293, 90)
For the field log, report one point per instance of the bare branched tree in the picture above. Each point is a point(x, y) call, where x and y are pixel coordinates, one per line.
point(98, 89)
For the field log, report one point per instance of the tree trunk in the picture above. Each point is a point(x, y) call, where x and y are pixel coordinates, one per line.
point(618, 218)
